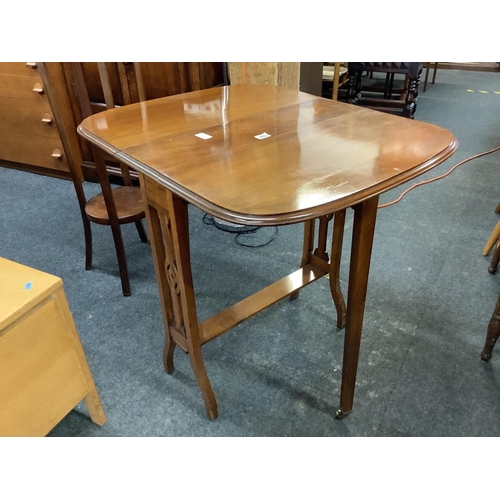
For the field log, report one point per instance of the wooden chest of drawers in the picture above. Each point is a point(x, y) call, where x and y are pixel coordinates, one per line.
point(39, 112)
point(29, 133)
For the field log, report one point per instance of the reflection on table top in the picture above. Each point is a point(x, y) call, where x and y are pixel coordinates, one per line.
point(266, 154)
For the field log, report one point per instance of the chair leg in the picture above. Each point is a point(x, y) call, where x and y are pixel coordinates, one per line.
point(336, 77)
point(495, 234)
point(497, 210)
point(492, 269)
point(122, 261)
point(87, 230)
point(140, 230)
point(492, 334)
point(427, 69)
point(88, 243)
point(434, 73)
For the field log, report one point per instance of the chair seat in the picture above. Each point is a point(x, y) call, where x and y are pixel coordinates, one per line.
point(129, 206)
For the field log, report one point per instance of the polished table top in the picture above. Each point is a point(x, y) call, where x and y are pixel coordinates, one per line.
point(268, 155)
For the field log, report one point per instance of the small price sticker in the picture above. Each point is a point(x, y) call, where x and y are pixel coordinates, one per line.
point(264, 135)
point(203, 136)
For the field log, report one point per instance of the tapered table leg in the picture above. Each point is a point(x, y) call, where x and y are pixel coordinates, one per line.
point(337, 240)
point(182, 284)
point(365, 215)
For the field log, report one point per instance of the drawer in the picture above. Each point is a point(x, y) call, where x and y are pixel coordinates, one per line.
point(19, 68)
point(22, 87)
point(32, 150)
point(25, 116)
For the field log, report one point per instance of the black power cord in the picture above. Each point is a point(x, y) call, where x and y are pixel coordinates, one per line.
point(210, 221)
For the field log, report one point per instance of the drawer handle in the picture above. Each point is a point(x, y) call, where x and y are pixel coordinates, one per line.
point(38, 88)
point(32, 65)
point(56, 154)
point(46, 118)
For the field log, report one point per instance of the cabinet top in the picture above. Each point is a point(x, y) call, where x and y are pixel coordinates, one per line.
point(21, 289)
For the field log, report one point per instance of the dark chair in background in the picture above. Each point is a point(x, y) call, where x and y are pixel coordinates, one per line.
point(387, 98)
point(112, 206)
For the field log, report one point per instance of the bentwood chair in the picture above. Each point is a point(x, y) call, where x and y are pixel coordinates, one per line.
point(112, 206)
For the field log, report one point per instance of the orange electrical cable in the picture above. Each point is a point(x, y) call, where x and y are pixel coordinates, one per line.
point(437, 178)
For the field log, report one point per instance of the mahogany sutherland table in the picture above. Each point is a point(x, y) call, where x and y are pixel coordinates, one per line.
point(263, 155)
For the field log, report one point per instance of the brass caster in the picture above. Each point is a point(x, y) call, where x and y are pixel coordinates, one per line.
point(341, 415)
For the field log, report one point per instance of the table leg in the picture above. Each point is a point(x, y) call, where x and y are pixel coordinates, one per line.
point(365, 215)
point(337, 240)
point(167, 217)
point(334, 263)
point(320, 256)
point(158, 246)
point(307, 247)
point(493, 333)
point(493, 239)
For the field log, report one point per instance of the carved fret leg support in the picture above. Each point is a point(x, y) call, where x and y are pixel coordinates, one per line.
point(320, 256)
point(167, 218)
point(159, 257)
point(169, 275)
point(365, 215)
point(492, 334)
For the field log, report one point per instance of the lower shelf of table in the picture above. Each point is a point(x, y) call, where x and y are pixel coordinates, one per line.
point(236, 314)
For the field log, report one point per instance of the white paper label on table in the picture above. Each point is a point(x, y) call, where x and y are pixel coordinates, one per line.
point(264, 135)
point(203, 136)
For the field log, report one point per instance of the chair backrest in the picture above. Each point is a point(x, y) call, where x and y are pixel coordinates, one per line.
point(89, 106)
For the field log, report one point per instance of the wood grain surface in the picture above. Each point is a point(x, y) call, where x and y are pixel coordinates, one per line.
point(319, 157)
